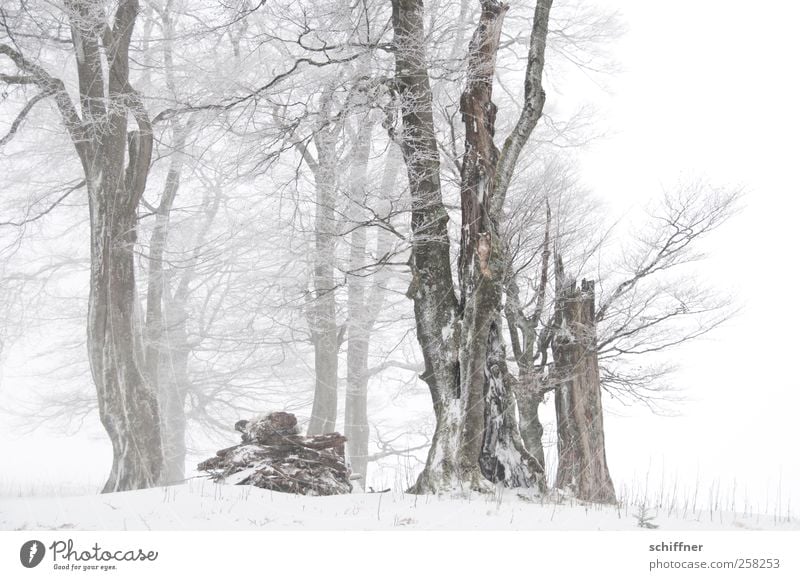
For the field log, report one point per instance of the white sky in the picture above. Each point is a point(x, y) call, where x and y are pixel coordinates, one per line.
point(707, 89)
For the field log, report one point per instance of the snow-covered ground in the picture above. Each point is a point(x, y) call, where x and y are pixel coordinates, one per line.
point(204, 505)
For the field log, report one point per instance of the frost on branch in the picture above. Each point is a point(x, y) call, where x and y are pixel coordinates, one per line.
point(273, 455)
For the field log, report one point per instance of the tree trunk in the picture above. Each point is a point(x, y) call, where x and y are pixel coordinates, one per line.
point(173, 389)
point(530, 426)
point(461, 339)
point(490, 439)
point(364, 305)
point(431, 289)
point(504, 456)
point(128, 403)
point(163, 336)
point(525, 341)
point(322, 319)
point(582, 466)
point(174, 381)
point(356, 425)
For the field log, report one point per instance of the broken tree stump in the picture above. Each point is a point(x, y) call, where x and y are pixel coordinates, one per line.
point(582, 465)
point(273, 455)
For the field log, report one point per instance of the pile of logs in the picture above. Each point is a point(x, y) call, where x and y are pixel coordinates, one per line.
point(273, 455)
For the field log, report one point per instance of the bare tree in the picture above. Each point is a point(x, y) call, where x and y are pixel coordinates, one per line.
point(603, 342)
point(460, 337)
point(115, 164)
point(366, 288)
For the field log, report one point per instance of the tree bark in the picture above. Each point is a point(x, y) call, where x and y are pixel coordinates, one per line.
point(435, 305)
point(128, 403)
point(480, 262)
point(504, 456)
point(582, 466)
point(356, 425)
point(322, 318)
point(461, 338)
point(173, 389)
point(528, 343)
point(162, 336)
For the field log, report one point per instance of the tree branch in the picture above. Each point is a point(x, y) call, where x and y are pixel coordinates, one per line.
point(21, 117)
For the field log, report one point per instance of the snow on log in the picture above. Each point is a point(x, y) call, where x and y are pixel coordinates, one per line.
point(273, 455)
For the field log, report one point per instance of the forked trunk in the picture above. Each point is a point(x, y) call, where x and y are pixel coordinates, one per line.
point(127, 401)
point(530, 426)
point(460, 338)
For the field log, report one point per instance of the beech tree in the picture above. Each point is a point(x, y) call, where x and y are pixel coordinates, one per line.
point(460, 335)
point(115, 163)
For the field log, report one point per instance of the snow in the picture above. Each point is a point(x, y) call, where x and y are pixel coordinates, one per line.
point(204, 505)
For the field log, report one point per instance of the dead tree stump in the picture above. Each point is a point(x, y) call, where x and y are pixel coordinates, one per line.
point(582, 466)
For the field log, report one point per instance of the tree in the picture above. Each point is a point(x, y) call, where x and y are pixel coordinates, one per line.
point(573, 342)
point(460, 337)
point(115, 163)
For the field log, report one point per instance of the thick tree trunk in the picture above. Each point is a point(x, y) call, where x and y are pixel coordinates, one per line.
point(128, 403)
point(480, 267)
point(491, 432)
point(463, 364)
point(582, 466)
point(431, 288)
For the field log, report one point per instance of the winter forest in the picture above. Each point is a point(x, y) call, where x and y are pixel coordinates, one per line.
point(273, 222)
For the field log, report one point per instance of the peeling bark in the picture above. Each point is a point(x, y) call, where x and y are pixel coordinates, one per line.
point(480, 259)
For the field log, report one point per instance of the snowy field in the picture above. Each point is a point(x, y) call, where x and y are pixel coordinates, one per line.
point(204, 505)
